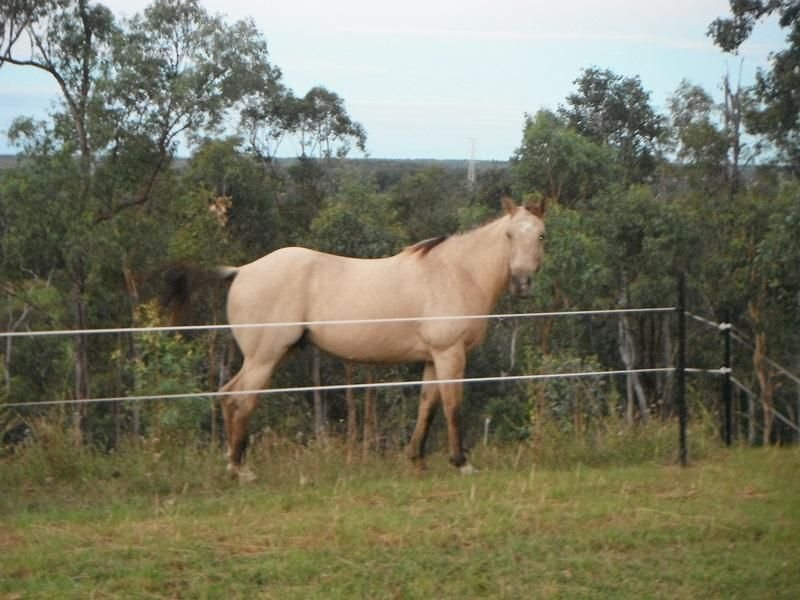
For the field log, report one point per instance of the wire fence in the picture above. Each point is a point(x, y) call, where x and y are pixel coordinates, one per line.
point(742, 338)
point(181, 328)
point(338, 322)
point(394, 384)
point(352, 386)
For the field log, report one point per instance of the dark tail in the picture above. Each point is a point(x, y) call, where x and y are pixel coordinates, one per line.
point(183, 279)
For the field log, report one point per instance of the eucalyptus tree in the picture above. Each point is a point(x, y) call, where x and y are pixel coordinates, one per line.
point(324, 127)
point(427, 202)
point(775, 114)
point(616, 111)
point(750, 274)
point(760, 243)
point(699, 136)
point(129, 91)
point(560, 163)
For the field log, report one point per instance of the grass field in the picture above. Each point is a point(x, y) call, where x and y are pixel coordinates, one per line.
point(147, 523)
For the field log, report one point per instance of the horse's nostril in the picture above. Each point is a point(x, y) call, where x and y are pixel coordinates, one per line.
point(522, 283)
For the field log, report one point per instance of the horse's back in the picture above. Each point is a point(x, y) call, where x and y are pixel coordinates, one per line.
point(301, 285)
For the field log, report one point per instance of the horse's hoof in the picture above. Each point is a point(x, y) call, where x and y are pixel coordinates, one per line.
point(245, 475)
point(468, 469)
point(419, 465)
point(241, 474)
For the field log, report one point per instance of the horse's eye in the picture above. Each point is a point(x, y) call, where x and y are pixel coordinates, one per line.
point(541, 236)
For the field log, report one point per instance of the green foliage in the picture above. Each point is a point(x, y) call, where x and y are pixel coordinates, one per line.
point(324, 127)
point(168, 364)
point(252, 224)
point(99, 208)
point(357, 222)
point(700, 138)
point(611, 109)
point(775, 115)
point(577, 270)
point(571, 405)
point(426, 202)
point(185, 86)
point(560, 163)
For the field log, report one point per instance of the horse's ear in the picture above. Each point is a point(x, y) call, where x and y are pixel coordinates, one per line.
point(537, 208)
point(508, 204)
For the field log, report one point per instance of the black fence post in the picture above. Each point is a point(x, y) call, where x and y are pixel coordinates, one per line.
point(727, 391)
point(680, 371)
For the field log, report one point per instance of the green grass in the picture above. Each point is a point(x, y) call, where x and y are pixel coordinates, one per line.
point(149, 522)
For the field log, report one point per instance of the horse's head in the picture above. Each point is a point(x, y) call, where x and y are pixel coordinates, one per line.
point(525, 233)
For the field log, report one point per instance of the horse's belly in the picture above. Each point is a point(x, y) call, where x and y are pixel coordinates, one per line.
point(370, 344)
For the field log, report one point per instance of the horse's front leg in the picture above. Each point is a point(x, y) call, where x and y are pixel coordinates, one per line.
point(450, 365)
point(428, 401)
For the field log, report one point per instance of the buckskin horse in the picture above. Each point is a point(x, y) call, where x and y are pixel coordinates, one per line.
point(460, 275)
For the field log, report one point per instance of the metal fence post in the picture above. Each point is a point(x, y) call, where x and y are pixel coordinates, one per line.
point(727, 391)
point(680, 371)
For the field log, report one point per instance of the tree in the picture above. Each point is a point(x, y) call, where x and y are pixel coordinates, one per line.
point(762, 254)
point(426, 202)
point(559, 163)
point(776, 114)
point(178, 71)
point(70, 40)
point(614, 110)
point(357, 222)
point(127, 94)
point(701, 142)
point(253, 220)
point(324, 128)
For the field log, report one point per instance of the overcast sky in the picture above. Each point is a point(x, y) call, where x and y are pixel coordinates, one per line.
point(424, 77)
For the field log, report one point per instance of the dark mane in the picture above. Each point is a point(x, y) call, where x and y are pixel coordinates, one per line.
point(422, 248)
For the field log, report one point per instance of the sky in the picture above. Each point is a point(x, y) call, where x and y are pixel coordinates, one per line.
point(444, 79)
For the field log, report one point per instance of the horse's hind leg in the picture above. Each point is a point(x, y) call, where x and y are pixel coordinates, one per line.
point(237, 409)
point(228, 409)
point(428, 402)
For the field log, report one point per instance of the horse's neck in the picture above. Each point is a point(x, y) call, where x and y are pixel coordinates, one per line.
point(484, 253)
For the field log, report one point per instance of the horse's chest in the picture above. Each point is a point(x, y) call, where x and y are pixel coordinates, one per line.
point(466, 333)
point(475, 335)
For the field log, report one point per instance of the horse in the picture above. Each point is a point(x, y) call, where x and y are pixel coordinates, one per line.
point(460, 275)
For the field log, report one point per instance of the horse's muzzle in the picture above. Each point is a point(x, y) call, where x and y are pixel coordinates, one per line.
point(521, 285)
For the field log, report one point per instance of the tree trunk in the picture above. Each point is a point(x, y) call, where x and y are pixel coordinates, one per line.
point(13, 324)
point(752, 433)
point(370, 417)
point(80, 355)
point(319, 408)
point(733, 127)
point(352, 411)
point(667, 379)
point(763, 374)
point(133, 348)
point(545, 330)
point(765, 383)
point(627, 351)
